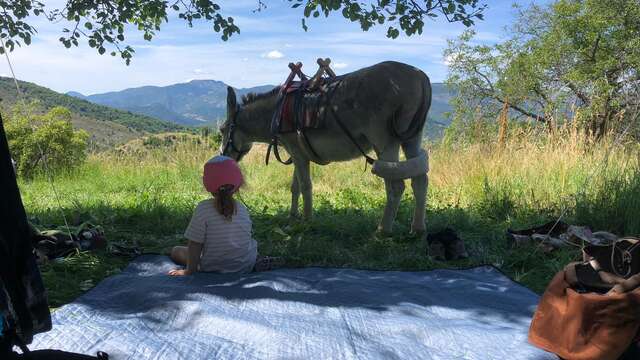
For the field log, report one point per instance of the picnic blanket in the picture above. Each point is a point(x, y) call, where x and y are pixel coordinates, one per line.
point(309, 313)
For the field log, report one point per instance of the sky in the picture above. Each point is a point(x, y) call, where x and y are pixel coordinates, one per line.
point(259, 55)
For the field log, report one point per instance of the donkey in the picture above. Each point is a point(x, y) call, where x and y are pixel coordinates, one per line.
point(382, 107)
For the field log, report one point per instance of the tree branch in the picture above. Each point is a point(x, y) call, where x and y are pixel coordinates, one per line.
point(517, 108)
point(582, 96)
point(595, 48)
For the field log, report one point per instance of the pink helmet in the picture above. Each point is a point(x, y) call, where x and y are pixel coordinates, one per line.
point(221, 170)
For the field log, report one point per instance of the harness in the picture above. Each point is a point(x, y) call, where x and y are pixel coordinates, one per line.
point(295, 91)
point(232, 127)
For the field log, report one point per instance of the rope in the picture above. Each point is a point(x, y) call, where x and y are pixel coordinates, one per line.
point(42, 155)
point(625, 257)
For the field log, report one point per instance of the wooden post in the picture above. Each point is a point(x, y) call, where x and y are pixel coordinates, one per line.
point(503, 119)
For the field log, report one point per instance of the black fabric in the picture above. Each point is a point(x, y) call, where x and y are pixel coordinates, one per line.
point(56, 355)
point(23, 302)
point(553, 228)
point(589, 280)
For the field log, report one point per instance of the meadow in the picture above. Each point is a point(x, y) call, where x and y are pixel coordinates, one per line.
point(144, 196)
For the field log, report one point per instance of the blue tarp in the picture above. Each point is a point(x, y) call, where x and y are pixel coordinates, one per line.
point(310, 313)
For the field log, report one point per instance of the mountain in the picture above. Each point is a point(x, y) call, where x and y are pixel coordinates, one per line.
point(198, 102)
point(437, 120)
point(107, 126)
point(203, 102)
point(76, 95)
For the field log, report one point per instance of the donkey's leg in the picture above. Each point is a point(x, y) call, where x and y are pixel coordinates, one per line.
point(305, 186)
point(295, 194)
point(394, 189)
point(419, 185)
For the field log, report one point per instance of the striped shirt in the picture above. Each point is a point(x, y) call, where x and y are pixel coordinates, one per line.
point(227, 245)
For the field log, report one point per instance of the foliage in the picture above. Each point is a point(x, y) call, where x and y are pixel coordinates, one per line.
point(105, 24)
point(45, 142)
point(168, 142)
point(576, 57)
point(479, 189)
point(48, 99)
point(407, 15)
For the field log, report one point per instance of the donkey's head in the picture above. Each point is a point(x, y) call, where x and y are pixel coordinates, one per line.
point(235, 140)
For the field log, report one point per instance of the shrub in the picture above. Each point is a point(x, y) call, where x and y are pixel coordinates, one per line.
point(36, 141)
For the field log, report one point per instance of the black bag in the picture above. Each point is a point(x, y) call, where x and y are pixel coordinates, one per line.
point(622, 258)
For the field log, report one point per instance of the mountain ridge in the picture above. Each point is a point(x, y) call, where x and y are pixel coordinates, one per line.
point(194, 103)
point(107, 126)
point(203, 102)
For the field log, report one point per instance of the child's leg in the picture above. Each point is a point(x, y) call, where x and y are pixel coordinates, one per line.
point(179, 255)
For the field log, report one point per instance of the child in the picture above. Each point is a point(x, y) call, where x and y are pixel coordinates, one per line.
point(219, 233)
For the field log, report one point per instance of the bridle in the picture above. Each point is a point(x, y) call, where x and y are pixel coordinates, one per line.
point(230, 144)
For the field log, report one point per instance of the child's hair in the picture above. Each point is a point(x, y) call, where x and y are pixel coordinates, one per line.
point(224, 201)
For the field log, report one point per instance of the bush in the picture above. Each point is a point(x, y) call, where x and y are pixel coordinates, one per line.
point(36, 141)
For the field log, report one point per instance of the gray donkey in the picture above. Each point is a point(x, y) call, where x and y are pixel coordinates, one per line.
point(382, 107)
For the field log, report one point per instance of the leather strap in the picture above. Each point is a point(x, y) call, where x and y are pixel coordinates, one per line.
point(369, 159)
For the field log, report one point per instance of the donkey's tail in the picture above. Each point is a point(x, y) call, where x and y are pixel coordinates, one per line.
point(419, 118)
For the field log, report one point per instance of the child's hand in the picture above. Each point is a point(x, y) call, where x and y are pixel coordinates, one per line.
point(179, 272)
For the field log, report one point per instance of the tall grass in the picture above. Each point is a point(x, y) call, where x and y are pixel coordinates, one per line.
point(145, 196)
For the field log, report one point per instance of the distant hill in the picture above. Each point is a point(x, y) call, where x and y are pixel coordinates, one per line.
point(203, 102)
point(196, 103)
point(437, 119)
point(107, 126)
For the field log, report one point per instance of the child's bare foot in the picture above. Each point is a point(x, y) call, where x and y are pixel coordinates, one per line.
point(179, 272)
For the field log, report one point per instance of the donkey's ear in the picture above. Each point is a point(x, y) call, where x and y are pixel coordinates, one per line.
point(231, 99)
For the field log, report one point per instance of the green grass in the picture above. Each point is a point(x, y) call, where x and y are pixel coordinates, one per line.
point(146, 199)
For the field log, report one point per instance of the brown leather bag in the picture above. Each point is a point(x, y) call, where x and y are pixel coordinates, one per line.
point(584, 326)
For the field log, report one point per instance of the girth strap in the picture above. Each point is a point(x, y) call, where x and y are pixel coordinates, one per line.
point(369, 159)
point(274, 145)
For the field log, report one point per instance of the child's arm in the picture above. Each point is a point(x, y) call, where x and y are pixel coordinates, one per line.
point(194, 251)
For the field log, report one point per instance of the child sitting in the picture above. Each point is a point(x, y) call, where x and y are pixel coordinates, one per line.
point(219, 234)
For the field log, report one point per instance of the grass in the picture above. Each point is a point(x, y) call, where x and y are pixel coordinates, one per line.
point(146, 198)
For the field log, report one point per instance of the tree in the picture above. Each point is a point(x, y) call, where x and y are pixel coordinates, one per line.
point(573, 57)
point(103, 23)
point(45, 140)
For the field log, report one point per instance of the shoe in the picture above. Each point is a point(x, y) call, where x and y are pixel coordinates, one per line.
point(446, 245)
point(267, 263)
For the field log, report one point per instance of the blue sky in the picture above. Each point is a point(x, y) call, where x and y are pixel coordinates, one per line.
point(269, 40)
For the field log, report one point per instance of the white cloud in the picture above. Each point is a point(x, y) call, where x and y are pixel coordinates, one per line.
point(340, 65)
point(198, 71)
point(274, 55)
